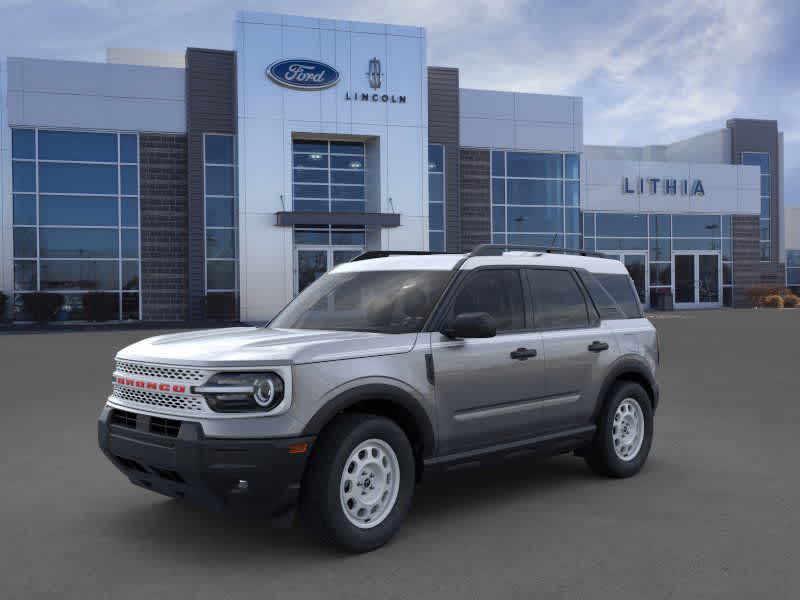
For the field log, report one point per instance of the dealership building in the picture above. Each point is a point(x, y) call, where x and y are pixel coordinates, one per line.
point(217, 184)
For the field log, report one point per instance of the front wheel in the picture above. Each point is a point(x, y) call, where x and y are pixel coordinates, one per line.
point(360, 482)
point(624, 432)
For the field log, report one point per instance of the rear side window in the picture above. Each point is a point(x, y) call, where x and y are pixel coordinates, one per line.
point(494, 291)
point(558, 302)
point(620, 288)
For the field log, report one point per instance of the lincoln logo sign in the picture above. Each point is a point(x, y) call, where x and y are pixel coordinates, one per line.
point(302, 74)
point(669, 187)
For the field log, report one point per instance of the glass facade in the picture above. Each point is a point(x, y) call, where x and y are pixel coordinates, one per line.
point(76, 219)
point(793, 269)
point(657, 237)
point(219, 160)
point(436, 197)
point(328, 176)
point(761, 160)
point(536, 198)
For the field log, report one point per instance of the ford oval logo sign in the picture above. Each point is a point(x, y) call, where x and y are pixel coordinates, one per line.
point(303, 74)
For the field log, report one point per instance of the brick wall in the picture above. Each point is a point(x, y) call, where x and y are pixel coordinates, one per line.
point(165, 231)
point(476, 216)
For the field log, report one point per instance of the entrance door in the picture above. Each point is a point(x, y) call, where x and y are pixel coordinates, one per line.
point(696, 279)
point(311, 263)
point(636, 263)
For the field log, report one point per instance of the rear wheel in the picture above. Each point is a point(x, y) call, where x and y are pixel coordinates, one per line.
point(624, 432)
point(360, 482)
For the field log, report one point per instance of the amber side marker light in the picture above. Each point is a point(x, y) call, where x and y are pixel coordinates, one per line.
point(298, 448)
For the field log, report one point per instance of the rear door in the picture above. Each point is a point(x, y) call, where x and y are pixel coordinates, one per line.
point(577, 350)
point(486, 389)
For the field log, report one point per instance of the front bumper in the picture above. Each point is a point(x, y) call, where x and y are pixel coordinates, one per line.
point(174, 458)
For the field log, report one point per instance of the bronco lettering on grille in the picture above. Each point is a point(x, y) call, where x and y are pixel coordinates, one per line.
point(151, 385)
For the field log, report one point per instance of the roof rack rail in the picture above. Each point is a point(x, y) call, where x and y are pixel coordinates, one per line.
point(499, 249)
point(384, 253)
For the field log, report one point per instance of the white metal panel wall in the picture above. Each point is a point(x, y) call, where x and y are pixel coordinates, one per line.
point(491, 119)
point(83, 95)
point(791, 228)
point(729, 189)
point(269, 115)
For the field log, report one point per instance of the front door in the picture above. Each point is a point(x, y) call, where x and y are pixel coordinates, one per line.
point(488, 390)
point(696, 279)
point(311, 263)
point(636, 263)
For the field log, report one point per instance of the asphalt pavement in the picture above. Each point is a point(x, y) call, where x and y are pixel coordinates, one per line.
point(714, 514)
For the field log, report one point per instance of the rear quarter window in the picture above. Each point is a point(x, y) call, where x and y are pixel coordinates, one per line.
point(613, 294)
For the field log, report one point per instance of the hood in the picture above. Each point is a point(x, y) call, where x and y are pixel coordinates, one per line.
point(244, 346)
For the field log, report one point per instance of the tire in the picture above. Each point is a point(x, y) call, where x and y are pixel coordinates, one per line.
point(359, 483)
point(616, 451)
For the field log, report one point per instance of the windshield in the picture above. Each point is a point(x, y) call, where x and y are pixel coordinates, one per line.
point(376, 301)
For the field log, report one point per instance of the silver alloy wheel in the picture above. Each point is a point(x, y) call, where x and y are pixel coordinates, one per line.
point(627, 432)
point(370, 483)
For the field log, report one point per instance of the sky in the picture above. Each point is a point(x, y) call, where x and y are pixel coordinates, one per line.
point(650, 72)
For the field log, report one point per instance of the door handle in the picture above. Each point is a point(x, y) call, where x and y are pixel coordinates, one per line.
point(597, 346)
point(523, 354)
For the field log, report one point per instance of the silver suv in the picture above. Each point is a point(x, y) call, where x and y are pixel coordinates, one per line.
point(389, 367)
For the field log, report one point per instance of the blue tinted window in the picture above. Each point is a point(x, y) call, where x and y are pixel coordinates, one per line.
point(311, 205)
point(726, 225)
point(522, 191)
point(727, 249)
point(765, 185)
point(572, 242)
point(338, 162)
point(588, 224)
point(498, 218)
point(24, 275)
point(348, 238)
point(498, 163)
point(660, 226)
point(219, 181)
point(498, 191)
point(524, 219)
point(764, 229)
point(348, 206)
point(310, 191)
point(604, 244)
point(79, 275)
point(793, 258)
point(312, 175)
point(128, 149)
point(348, 192)
point(23, 176)
point(555, 240)
point(219, 212)
point(130, 275)
point(221, 274)
point(436, 216)
point(436, 241)
point(758, 159)
point(765, 208)
point(77, 210)
point(130, 212)
point(25, 242)
point(436, 188)
point(220, 243)
point(219, 149)
point(573, 166)
point(529, 164)
point(572, 220)
point(23, 143)
point(78, 243)
point(356, 177)
point(24, 209)
point(572, 190)
point(129, 184)
point(312, 237)
point(73, 145)
point(660, 249)
point(77, 179)
point(435, 158)
point(347, 148)
point(320, 161)
point(696, 225)
point(625, 225)
point(310, 146)
point(695, 244)
point(765, 251)
point(130, 243)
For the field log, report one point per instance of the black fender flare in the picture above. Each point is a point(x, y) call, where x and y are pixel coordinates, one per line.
point(628, 365)
point(379, 393)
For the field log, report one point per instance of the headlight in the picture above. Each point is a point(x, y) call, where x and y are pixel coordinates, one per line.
point(243, 392)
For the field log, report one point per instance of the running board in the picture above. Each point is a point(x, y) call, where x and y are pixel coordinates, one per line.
point(543, 445)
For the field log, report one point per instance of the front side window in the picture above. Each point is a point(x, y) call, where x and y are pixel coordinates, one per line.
point(373, 301)
point(558, 302)
point(497, 292)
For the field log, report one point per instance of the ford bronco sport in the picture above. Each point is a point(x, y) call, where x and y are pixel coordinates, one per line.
point(390, 366)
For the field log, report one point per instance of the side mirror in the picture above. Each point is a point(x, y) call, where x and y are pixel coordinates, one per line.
point(471, 325)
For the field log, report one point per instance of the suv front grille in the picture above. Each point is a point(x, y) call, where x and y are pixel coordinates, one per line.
point(123, 418)
point(161, 426)
point(146, 398)
point(172, 373)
